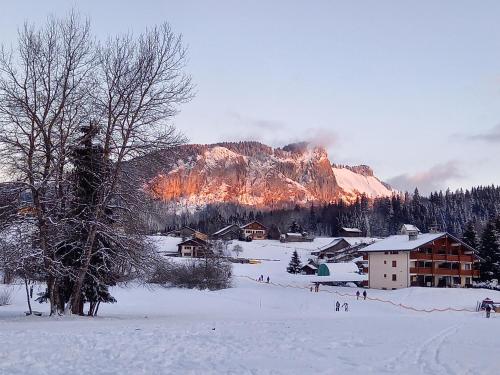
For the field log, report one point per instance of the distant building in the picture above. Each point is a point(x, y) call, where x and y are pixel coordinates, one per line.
point(186, 232)
point(414, 259)
point(309, 269)
point(231, 232)
point(409, 229)
point(332, 249)
point(194, 247)
point(296, 237)
point(350, 232)
point(338, 274)
point(254, 230)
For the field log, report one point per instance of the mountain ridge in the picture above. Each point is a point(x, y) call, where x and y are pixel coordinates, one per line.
point(253, 174)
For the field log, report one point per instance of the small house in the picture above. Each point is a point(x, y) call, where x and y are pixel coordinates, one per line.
point(296, 237)
point(254, 230)
point(309, 269)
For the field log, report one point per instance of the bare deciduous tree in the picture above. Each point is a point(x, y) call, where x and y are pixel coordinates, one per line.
point(58, 81)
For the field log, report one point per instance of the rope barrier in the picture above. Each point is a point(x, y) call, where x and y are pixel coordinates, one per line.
point(401, 305)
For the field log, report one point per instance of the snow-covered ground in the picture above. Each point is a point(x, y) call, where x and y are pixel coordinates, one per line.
point(256, 328)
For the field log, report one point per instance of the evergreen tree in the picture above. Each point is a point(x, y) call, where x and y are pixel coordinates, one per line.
point(490, 252)
point(295, 265)
point(470, 236)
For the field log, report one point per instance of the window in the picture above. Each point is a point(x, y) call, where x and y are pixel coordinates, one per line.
point(394, 278)
point(394, 263)
point(385, 275)
point(386, 252)
point(385, 262)
point(394, 252)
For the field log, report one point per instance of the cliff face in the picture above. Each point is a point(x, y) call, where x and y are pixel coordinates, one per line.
point(251, 173)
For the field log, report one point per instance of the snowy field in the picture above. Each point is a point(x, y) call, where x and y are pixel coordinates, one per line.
point(256, 328)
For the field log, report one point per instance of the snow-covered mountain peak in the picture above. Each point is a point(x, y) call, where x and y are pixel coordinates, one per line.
point(251, 173)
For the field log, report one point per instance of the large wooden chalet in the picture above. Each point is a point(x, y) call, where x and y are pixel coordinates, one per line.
point(332, 249)
point(415, 259)
point(254, 230)
point(194, 247)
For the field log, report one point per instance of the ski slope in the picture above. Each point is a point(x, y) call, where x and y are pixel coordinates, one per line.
point(256, 328)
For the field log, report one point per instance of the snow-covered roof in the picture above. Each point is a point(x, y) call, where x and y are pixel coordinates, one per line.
point(354, 230)
point(339, 277)
point(331, 244)
point(224, 229)
point(310, 266)
point(402, 242)
point(294, 234)
point(342, 268)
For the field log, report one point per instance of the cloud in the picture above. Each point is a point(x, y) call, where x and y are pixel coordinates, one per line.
point(433, 179)
point(490, 136)
point(250, 122)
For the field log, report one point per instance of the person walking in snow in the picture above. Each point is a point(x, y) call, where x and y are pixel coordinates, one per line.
point(357, 294)
point(488, 310)
point(316, 287)
point(345, 306)
point(268, 279)
point(337, 306)
point(364, 294)
point(261, 278)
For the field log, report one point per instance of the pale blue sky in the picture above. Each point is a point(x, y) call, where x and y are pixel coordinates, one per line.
point(411, 88)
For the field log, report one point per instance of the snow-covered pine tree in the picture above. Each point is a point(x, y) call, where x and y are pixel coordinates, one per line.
point(489, 250)
point(295, 265)
point(470, 236)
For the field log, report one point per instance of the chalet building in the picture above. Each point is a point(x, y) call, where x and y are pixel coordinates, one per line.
point(254, 230)
point(194, 247)
point(296, 237)
point(187, 232)
point(309, 269)
point(332, 249)
point(414, 259)
point(231, 232)
point(350, 232)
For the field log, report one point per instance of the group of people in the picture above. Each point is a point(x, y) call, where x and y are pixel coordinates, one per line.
point(261, 279)
point(358, 294)
point(345, 306)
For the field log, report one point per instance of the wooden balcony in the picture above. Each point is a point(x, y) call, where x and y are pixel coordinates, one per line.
point(441, 257)
point(443, 271)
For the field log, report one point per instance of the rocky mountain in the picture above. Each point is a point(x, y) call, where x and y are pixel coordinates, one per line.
point(253, 174)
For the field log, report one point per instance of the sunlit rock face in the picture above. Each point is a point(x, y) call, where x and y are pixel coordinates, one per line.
point(253, 174)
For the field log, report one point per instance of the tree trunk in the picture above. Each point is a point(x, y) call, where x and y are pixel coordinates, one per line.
point(28, 295)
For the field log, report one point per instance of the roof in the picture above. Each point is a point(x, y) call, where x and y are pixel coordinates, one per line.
point(197, 240)
point(356, 230)
point(339, 277)
point(224, 229)
point(341, 268)
point(295, 234)
point(310, 266)
point(255, 221)
point(402, 242)
point(331, 244)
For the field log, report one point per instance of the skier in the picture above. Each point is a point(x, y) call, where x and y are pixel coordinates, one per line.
point(345, 306)
point(316, 287)
point(488, 310)
point(364, 294)
point(337, 306)
point(261, 278)
point(268, 279)
point(357, 294)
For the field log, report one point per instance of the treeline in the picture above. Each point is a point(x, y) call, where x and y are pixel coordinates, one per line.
point(448, 211)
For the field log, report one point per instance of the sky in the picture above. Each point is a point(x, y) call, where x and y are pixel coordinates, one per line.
point(411, 88)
